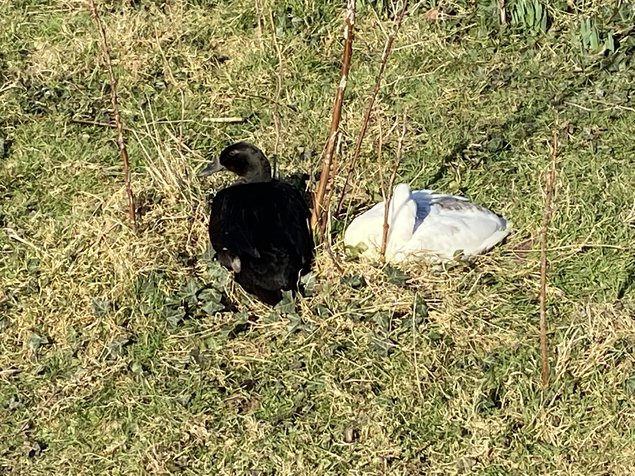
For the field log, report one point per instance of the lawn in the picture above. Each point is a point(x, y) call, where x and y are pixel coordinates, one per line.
point(131, 351)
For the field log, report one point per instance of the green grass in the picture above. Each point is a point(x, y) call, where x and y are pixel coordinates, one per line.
point(133, 353)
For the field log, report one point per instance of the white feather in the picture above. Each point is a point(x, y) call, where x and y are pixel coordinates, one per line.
point(427, 224)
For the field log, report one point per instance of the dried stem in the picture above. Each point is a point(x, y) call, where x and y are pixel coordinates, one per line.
point(501, 8)
point(123, 152)
point(279, 74)
point(225, 120)
point(94, 123)
point(384, 237)
point(259, 22)
point(334, 260)
point(546, 219)
point(327, 239)
point(385, 193)
point(334, 168)
point(380, 157)
point(371, 100)
point(319, 218)
point(414, 346)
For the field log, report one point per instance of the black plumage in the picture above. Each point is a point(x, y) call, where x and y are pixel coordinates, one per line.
point(259, 226)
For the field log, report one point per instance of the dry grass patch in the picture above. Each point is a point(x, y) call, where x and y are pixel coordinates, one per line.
point(134, 353)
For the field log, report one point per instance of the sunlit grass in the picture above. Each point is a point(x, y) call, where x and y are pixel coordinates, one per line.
point(133, 353)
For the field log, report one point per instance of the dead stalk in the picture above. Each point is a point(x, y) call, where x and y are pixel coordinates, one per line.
point(371, 100)
point(318, 219)
point(385, 194)
point(225, 120)
point(546, 219)
point(93, 123)
point(327, 239)
point(334, 167)
point(259, 23)
point(384, 237)
point(501, 8)
point(279, 75)
point(114, 98)
point(380, 157)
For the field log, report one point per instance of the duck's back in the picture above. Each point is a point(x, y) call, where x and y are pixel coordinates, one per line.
point(266, 226)
point(446, 224)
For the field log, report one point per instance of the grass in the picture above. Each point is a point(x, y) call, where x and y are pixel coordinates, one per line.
point(124, 353)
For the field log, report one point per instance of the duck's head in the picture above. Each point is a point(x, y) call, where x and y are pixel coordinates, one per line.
point(245, 160)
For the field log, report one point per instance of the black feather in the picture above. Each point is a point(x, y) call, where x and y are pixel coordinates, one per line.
point(260, 229)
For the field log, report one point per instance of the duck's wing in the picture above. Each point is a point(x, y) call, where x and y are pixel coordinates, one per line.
point(268, 222)
point(368, 228)
point(365, 228)
point(294, 217)
point(230, 229)
point(449, 224)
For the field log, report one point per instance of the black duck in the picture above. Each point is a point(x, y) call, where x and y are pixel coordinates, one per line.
point(259, 226)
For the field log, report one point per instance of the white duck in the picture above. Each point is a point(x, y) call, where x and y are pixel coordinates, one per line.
point(425, 224)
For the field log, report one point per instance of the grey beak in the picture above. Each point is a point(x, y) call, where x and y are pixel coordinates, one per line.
point(211, 168)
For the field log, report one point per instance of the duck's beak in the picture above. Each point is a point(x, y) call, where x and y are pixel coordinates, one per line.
point(210, 169)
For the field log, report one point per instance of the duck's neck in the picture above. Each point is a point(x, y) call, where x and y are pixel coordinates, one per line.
point(257, 173)
point(402, 214)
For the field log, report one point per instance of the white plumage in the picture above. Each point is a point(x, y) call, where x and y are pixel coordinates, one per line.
point(425, 224)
